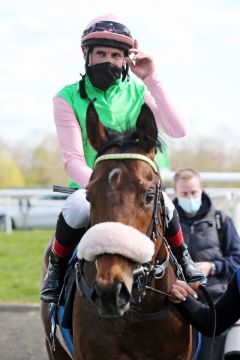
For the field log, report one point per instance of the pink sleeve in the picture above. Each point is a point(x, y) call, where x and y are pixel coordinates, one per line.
point(70, 139)
point(166, 119)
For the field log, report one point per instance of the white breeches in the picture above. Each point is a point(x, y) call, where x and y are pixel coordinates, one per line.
point(76, 209)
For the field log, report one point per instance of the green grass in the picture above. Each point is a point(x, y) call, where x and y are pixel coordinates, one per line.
point(20, 264)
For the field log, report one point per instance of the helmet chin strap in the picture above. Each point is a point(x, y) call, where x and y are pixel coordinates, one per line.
point(125, 74)
point(89, 50)
point(82, 88)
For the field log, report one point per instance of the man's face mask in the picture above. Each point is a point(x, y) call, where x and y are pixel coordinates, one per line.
point(103, 75)
point(190, 205)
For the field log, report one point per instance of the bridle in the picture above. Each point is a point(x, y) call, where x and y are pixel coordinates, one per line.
point(146, 272)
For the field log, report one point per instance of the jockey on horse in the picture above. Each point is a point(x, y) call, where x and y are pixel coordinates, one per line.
point(107, 45)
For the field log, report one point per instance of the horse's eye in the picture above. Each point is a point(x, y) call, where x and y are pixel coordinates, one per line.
point(150, 196)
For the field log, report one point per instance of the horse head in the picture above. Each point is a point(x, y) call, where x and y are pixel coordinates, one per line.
point(125, 196)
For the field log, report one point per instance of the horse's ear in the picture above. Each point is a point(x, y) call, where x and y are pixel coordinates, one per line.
point(147, 128)
point(96, 132)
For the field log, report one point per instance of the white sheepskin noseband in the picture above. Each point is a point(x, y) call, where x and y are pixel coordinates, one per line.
point(115, 238)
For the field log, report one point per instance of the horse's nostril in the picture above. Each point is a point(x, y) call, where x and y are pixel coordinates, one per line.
point(115, 293)
point(122, 295)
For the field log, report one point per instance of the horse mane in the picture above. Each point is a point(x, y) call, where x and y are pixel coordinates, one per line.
point(123, 139)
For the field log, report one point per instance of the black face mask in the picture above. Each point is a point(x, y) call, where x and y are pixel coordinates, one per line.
point(103, 75)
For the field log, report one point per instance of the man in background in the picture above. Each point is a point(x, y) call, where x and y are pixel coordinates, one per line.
point(212, 241)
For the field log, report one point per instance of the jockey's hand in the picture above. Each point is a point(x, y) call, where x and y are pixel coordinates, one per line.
point(180, 290)
point(141, 64)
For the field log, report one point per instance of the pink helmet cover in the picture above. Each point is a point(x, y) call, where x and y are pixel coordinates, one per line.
point(119, 37)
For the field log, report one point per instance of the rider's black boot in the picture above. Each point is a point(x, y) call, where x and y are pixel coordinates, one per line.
point(54, 278)
point(190, 271)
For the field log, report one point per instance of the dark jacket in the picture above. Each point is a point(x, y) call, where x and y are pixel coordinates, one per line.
point(202, 238)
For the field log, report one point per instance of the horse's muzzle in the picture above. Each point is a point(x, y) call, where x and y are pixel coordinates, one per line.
point(111, 300)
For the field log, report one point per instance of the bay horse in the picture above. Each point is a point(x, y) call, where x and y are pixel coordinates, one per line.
point(121, 308)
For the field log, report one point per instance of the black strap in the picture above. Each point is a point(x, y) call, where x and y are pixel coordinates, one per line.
point(220, 219)
point(125, 74)
point(211, 305)
point(82, 88)
point(134, 316)
point(82, 286)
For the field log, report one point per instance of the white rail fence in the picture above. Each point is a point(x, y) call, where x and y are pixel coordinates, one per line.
point(224, 198)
